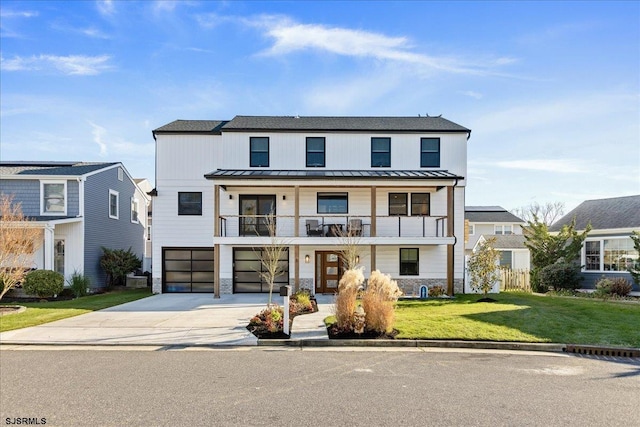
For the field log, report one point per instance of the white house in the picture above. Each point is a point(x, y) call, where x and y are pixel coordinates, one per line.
point(485, 222)
point(395, 183)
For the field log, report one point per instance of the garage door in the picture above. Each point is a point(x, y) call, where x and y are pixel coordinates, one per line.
point(187, 270)
point(247, 269)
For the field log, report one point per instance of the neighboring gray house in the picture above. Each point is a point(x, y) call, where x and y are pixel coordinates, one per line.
point(608, 249)
point(80, 207)
point(484, 222)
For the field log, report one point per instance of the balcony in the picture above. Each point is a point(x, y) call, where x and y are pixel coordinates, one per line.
point(319, 227)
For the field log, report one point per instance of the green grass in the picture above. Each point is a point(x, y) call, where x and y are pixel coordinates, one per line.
point(521, 317)
point(38, 313)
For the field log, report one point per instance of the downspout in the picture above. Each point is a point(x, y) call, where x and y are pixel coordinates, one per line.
point(455, 239)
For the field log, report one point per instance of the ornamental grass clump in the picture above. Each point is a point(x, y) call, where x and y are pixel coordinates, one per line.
point(378, 302)
point(345, 305)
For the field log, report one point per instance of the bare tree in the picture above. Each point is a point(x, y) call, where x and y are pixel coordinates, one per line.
point(349, 247)
point(18, 241)
point(547, 213)
point(270, 254)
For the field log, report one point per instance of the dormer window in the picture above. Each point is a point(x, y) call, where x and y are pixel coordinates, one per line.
point(54, 197)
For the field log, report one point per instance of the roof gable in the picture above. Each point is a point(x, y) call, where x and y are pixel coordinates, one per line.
point(490, 214)
point(50, 168)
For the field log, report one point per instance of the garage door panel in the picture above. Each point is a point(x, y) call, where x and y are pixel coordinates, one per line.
point(177, 276)
point(177, 265)
point(202, 265)
point(188, 270)
point(177, 254)
point(202, 287)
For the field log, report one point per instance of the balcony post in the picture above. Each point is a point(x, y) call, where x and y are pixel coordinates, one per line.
point(450, 232)
point(372, 230)
point(296, 233)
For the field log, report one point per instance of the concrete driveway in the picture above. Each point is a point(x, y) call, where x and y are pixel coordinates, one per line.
point(167, 319)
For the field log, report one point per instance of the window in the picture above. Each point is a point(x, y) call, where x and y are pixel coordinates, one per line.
point(506, 259)
point(54, 198)
point(259, 151)
point(472, 229)
point(430, 152)
point(120, 174)
point(189, 203)
point(254, 214)
point(134, 210)
point(503, 229)
point(380, 152)
point(114, 204)
point(397, 204)
point(333, 203)
point(609, 254)
point(420, 204)
point(315, 152)
point(409, 262)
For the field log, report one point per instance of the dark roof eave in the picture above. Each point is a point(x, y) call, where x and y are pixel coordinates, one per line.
point(242, 175)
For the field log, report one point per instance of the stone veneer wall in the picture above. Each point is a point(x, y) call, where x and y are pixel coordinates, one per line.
point(226, 286)
point(412, 286)
point(156, 286)
point(304, 284)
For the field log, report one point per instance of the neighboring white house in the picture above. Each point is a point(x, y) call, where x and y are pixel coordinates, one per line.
point(396, 183)
point(496, 222)
point(146, 187)
point(608, 249)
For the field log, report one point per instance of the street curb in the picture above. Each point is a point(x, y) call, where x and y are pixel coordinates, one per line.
point(490, 345)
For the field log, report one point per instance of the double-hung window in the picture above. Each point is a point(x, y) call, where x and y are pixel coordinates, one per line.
point(315, 152)
point(503, 229)
point(409, 262)
point(54, 198)
point(329, 203)
point(114, 204)
point(614, 254)
point(259, 151)
point(430, 152)
point(380, 152)
point(134, 210)
point(189, 203)
point(397, 204)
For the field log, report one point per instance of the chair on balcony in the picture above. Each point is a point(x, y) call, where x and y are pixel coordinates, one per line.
point(354, 228)
point(314, 228)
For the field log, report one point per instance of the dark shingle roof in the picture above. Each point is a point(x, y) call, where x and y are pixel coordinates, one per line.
point(208, 126)
point(604, 214)
point(508, 241)
point(50, 168)
point(383, 124)
point(321, 174)
point(490, 214)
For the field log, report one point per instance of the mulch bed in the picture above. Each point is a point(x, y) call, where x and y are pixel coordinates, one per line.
point(5, 310)
point(263, 333)
point(336, 333)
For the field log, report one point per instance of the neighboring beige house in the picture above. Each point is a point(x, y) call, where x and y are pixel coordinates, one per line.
point(397, 184)
point(484, 222)
point(147, 188)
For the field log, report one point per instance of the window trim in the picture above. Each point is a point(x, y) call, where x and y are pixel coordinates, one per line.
point(422, 151)
point(601, 248)
point(406, 204)
point(251, 151)
point(190, 214)
point(117, 194)
point(43, 205)
point(388, 139)
point(324, 151)
point(331, 193)
point(417, 273)
point(135, 202)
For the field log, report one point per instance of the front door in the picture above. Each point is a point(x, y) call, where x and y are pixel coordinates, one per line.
point(328, 271)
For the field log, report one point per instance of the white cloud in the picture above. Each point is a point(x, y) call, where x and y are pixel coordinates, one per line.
point(70, 65)
point(98, 133)
point(546, 165)
point(4, 13)
point(472, 94)
point(289, 36)
point(106, 7)
point(116, 147)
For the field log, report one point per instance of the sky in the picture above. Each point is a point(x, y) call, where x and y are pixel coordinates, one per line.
point(550, 90)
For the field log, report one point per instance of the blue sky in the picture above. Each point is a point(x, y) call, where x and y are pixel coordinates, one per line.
point(551, 90)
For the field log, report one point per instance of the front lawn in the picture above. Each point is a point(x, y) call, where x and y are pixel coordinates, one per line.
point(38, 313)
point(521, 317)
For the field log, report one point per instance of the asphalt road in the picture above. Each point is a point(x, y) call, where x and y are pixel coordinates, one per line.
point(335, 387)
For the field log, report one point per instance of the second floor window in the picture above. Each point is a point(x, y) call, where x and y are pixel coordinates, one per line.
point(380, 152)
point(430, 152)
point(54, 198)
point(419, 204)
point(114, 204)
point(189, 203)
point(333, 203)
point(315, 152)
point(134, 211)
point(503, 229)
point(398, 204)
point(259, 151)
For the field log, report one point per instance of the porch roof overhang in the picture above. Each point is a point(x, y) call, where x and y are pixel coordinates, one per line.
point(43, 221)
point(234, 177)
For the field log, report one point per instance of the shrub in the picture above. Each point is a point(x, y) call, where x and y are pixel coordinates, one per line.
point(302, 299)
point(620, 287)
point(117, 263)
point(378, 302)
point(345, 305)
point(79, 284)
point(436, 291)
point(272, 318)
point(603, 288)
point(559, 276)
point(43, 283)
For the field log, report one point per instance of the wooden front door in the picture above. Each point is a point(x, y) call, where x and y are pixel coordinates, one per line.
point(329, 270)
